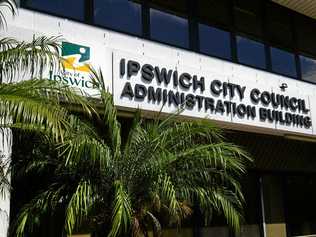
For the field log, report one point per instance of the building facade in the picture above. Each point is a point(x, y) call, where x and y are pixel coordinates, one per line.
point(247, 65)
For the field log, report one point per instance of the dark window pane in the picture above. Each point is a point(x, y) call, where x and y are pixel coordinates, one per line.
point(306, 38)
point(58, 7)
point(123, 15)
point(251, 52)
point(283, 62)
point(178, 7)
point(214, 41)
point(247, 14)
point(308, 67)
point(214, 11)
point(279, 25)
point(169, 28)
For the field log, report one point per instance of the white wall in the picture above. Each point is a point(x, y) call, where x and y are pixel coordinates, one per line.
point(106, 45)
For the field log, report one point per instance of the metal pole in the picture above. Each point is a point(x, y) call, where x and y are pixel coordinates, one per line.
point(264, 226)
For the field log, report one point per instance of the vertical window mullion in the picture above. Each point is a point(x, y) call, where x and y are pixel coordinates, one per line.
point(296, 50)
point(89, 9)
point(145, 19)
point(265, 36)
point(233, 41)
point(193, 25)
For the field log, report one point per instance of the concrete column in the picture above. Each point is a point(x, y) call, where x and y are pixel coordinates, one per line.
point(5, 156)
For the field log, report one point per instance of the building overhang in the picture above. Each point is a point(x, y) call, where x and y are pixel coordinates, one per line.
point(305, 7)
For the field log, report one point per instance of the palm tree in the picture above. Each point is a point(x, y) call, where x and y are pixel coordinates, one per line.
point(131, 182)
point(27, 101)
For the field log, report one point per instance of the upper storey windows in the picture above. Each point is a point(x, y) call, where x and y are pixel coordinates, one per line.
point(214, 41)
point(59, 7)
point(169, 22)
point(256, 33)
point(122, 15)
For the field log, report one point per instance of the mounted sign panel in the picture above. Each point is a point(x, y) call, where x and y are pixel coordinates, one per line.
point(147, 75)
point(153, 85)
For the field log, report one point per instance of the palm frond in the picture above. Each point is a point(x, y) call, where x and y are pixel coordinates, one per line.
point(82, 143)
point(157, 230)
point(7, 5)
point(78, 206)
point(28, 217)
point(109, 111)
point(38, 102)
point(122, 211)
point(23, 58)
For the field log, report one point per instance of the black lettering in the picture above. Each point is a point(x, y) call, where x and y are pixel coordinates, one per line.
point(184, 80)
point(265, 98)
point(241, 91)
point(231, 88)
point(122, 67)
point(127, 91)
point(286, 102)
point(293, 104)
point(163, 76)
point(227, 104)
point(263, 114)
point(154, 95)
point(140, 91)
point(190, 101)
point(251, 111)
point(304, 109)
point(241, 110)
point(254, 95)
point(275, 99)
point(199, 100)
point(175, 79)
point(215, 87)
point(147, 73)
point(288, 118)
point(198, 83)
point(209, 104)
point(219, 107)
point(132, 68)
point(174, 98)
point(307, 122)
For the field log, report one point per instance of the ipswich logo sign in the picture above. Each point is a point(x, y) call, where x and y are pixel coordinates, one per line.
point(76, 56)
point(76, 66)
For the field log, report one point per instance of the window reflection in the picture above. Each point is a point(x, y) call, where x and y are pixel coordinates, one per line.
point(283, 62)
point(251, 52)
point(214, 41)
point(308, 67)
point(169, 28)
point(58, 7)
point(122, 15)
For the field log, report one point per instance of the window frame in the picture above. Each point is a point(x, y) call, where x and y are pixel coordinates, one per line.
point(193, 31)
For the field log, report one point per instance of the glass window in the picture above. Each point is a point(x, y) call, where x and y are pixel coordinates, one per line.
point(214, 41)
point(169, 28)
point(300, 205)
point(308, 67)
point(279, 25)
point(214, 11)
point(247, 15)
point(251, 52)
point(306, 40)
point(122, 15)
point(283, 62)
point(58, 7)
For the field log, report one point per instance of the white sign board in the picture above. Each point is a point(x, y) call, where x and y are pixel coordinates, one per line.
point(155, 85)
